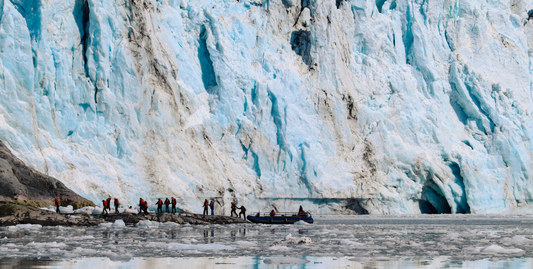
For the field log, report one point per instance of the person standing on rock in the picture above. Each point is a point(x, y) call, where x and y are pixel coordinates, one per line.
point(57, 206)
point(206, 204)
point(116, 205)
point(173, 205)
point(159, 206)
point(243, 212)
point(167, 203)
point(212, 206)
point(233, 209)
point(104, 203)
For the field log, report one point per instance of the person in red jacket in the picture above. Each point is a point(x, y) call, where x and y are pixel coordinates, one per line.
point(116, 205)
point(167, 203)
point(159, 206)
point(145, 207)
point(141, 205)
point(233, 209)
point(104, 203)
point(272, 213)
point(206, 205)
point(173, 205)
point(57, 206)
point(108, 201)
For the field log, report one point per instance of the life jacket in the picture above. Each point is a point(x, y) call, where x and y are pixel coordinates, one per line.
point(159, 202)
point(206, 203)
point(173, 201)
point(116, 201)
point(105, 204)
point(272, 213)
point(233, 206)
point(167, 201)
point(212, 204)
point(57, 202)
point(145, 204)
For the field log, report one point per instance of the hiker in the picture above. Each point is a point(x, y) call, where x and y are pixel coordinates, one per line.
point(108, 202)
point(141, 205)
point(145, 207)
point(233, 209)
point(104, 203)
point(159, 206)
point(57, 206)
point(116, 205)
point(173, 205)
point(212, 206)
point(206, 204)
point(167, 203)
point(243, 212)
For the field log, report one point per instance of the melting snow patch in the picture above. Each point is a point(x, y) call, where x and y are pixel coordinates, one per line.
point(285, 261)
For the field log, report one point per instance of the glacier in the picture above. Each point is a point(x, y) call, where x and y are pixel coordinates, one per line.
point(381, 107)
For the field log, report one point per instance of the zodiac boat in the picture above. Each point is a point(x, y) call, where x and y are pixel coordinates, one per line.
point(280, 218)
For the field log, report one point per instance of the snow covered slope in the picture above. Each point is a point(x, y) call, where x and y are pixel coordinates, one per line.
point(396, 106)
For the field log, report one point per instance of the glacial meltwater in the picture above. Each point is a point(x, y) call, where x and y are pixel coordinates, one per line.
point(413, 241)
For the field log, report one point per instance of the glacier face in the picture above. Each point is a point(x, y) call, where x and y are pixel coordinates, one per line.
point(396, 106)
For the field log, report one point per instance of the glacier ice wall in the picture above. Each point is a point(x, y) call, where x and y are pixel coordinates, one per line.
point(387, 106)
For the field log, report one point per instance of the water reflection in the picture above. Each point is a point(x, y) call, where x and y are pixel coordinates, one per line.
point(271, 262)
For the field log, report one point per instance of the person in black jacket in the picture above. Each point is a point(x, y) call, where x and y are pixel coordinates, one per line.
point(243, 212)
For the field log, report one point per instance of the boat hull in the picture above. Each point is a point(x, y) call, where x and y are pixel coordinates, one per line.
point(279, 219)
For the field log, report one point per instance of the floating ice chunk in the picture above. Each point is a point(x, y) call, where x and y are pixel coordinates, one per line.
point(66, 209)
point(97, 211)
point(29, 226)
point(119, 223)
point(106, 224)
point(244, 244)
point(517, 239)
point(147, 223)
point(279, 248)
point(128, 210)
point(85, 210)
point(301, 222)
point(346, 242)
point(50, 208)
point(169, 224)
point(492, 249)
point(285, 261)
point(46, 245)
point(84, 251)
point(204, 247)
point(289, 239)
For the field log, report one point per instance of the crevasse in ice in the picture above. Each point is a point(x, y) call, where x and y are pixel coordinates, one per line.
point(387, 106)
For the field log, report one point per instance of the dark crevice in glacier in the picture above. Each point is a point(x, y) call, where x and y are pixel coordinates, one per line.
point(287, 3)
point(206, 64)
point(379, 5)
point(276, 116)
point(369, 158)
point(408, 37)
point(350, 107)
point(81, 14)
point(462, 206)
point(301, 45)
point(303, 171)
point(459, 111)
point(476, 101)
point(338, 3)
point(256, 167)
point(466, 142)
point(432, 200)
point(304, 3)
point(31, 11)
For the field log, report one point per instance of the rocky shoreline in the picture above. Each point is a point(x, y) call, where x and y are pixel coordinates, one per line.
point(14, 214)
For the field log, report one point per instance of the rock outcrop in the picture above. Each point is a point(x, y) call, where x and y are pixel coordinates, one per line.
point(13, 214)
point(23, 184)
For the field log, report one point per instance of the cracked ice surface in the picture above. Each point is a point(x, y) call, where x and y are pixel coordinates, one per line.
point(375, 106)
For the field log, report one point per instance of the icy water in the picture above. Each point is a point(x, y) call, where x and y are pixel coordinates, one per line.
point(442, 241)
